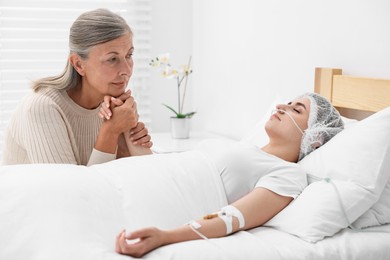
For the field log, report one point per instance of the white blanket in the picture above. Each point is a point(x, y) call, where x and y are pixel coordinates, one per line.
point(74, 212)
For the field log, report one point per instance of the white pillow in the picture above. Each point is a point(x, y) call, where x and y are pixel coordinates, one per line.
point(357, 160)
point(348, 122)
point(378, 214)
point(312, 216)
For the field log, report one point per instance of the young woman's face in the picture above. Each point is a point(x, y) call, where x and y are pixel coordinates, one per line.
point(282, 120)
point(109, 66)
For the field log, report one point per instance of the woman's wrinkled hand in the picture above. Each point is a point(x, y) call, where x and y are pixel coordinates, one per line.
point(143, 241)
point(110, 102)
point(139, 135)
point(124, 117)
point(120, 113)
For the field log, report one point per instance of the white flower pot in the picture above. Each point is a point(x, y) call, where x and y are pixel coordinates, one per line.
point(180, 127)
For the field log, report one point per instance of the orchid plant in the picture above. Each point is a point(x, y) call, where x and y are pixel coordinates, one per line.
point(180, 74)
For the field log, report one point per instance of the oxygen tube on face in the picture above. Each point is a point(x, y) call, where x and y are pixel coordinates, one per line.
point(292, 119)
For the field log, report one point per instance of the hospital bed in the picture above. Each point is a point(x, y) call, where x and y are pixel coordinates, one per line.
point(75, 212)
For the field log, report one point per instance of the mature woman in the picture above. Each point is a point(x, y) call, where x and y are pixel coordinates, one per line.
point(258, 183)
point(60, 123)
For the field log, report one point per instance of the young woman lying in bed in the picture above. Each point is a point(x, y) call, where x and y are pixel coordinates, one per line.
point(258, 183)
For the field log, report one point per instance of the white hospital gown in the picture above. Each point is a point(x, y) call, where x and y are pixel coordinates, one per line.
point(243, 167)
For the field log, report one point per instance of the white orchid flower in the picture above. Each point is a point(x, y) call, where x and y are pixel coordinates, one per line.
point(160, 60)
point(180, 74)
point(184, 70)
point(164, 58)
point(169, 72)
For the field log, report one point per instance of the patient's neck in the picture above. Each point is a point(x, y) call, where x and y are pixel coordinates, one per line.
point(284, 151)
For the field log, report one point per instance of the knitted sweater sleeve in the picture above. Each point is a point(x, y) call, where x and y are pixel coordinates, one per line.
point(40, 132)
point(45, 134)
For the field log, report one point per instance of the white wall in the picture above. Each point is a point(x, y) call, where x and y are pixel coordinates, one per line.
point(248, 51)
point(171, 32)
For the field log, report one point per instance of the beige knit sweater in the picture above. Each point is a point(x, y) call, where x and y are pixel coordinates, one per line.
point(49, 127)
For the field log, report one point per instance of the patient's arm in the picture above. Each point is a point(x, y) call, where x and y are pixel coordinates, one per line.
point(257, 208)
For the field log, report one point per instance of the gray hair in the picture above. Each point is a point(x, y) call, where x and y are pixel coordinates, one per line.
point(90, 29)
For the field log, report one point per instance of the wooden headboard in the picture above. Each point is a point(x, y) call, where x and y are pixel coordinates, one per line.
point(354, 97)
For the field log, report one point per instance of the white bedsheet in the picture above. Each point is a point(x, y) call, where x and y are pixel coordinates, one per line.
point(268, 243)
point(75, 212)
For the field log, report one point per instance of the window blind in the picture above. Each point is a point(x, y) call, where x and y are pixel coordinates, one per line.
point(34, 44)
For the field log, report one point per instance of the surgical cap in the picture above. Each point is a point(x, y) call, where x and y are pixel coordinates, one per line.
point(324, 123)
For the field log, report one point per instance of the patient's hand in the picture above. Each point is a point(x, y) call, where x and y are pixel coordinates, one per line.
point(144, 241)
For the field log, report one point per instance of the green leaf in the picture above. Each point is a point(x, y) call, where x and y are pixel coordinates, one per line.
point(180, 115)
point(173, 110)
point(189, 115)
